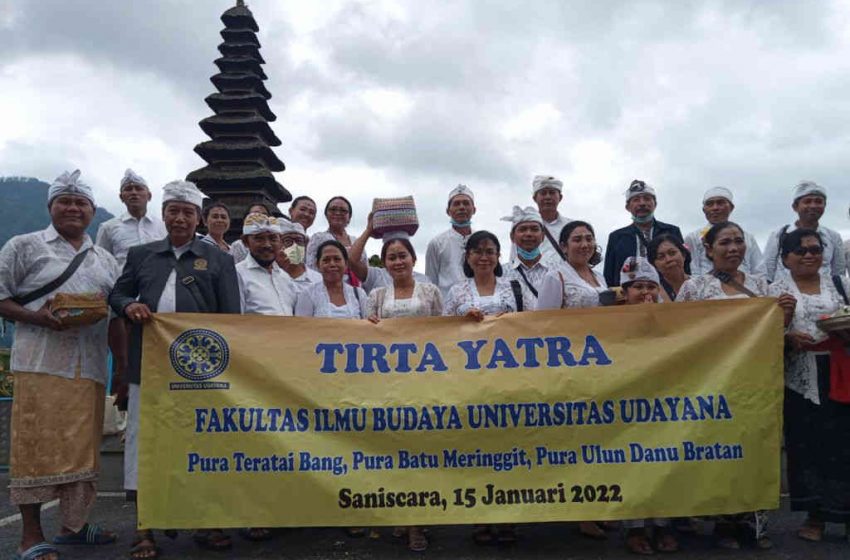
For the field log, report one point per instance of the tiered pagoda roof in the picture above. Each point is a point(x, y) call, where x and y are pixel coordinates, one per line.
point(239, 157)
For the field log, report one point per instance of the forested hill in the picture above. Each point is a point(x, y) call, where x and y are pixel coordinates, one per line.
point(23, 208)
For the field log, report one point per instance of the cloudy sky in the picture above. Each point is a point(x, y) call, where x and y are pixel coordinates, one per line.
point(384, 98)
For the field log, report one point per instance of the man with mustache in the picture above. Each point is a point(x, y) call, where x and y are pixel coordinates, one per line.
point(809, 204)
point(717, 205)
point(633, 240)
point(178, 274)
point(445, 255)
point(264, 288)
point(60, 370)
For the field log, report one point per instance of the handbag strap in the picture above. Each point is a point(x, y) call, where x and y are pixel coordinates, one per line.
point(56, 282)
point(517, 290)
point(840, 287)
point(727, 278)
point(531, 288)
point(191, 284)
point(554, 243)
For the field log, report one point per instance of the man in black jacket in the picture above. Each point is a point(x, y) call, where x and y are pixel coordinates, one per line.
point(632, 240)
point(178, 274)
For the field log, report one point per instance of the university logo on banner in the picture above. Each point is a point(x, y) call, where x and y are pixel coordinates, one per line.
point(199, 355)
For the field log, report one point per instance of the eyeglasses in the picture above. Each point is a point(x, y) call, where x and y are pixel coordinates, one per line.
point(814, 250)
point(289, 241)
point(337, 210)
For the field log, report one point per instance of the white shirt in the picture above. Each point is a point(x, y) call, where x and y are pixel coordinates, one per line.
point(314, 302)
point(464, 296)
point(425, 301)
point(753, 262)
point(833, 253)
point(377, 277)
point(119, 234)
point(534, 275)
point(265, 292)
point(28, 262)
point(547, 250)
point(801, 372)
point(444, 260)
point(318, 239)
point(707, 286)
point(308, 277)
point(239, 251)
point(168, 299)
point(563, 287)
point(847, 256)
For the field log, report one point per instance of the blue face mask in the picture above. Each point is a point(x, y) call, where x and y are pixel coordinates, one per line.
point(644, 220)
point(528, 255)
point(461, 224)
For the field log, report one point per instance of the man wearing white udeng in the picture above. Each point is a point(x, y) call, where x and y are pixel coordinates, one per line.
point(527, 237)
point(264, 288)
point(809, 204)
point(547, 193)
point(445, 254)
point(717, 205)
point(60, 371)
point(133, 227)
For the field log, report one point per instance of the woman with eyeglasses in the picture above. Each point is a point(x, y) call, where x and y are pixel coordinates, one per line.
point(670, 258)
point(485, 291)
point(725, 247)
point(817, 428)
point(338, 214)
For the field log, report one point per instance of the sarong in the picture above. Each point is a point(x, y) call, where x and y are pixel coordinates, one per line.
point(817, 440)
point(57, 425)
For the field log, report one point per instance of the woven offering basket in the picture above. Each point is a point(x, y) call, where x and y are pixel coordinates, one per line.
point(79, 310)
point(838, 325)
point(394, 214)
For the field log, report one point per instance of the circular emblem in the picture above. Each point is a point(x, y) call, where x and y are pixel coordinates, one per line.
point(199, 354)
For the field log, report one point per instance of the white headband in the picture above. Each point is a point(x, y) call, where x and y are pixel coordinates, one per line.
point(519, 215)
point(459, 190)
point(130, 176)
point(69, 183)
point(638, 268)
point(288, 226)
point(546, 182)
point(808, 188)
point(638, 187)
point(255, 223)
point(717, 192)
point(182, 191)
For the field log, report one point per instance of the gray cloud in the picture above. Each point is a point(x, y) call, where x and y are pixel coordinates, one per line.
point(684, 94)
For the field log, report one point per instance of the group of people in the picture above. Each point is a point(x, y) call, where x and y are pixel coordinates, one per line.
point(145, 265)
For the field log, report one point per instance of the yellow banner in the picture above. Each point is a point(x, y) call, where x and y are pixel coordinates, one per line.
point(609, 413)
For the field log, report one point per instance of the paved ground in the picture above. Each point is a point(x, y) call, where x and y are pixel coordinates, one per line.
point(551, 540)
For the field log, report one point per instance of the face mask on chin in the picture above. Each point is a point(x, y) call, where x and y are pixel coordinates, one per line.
point(528, 255)
point(645, 219)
